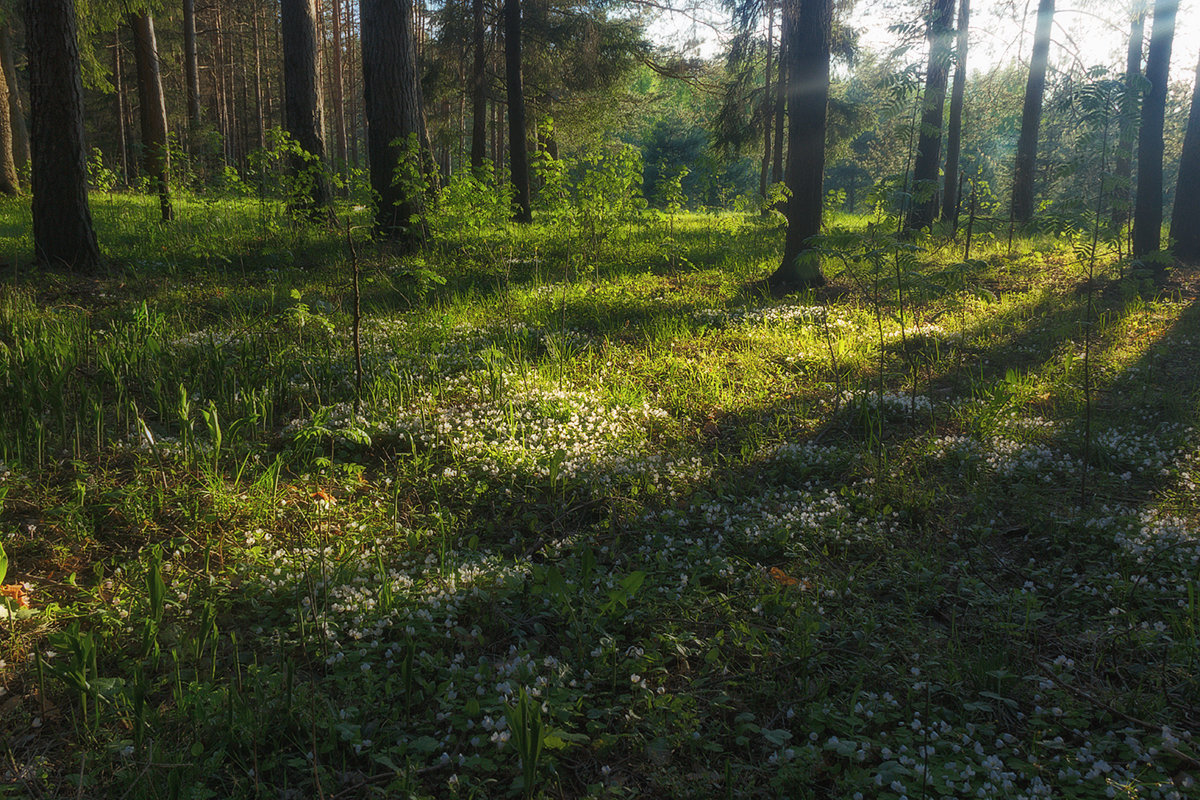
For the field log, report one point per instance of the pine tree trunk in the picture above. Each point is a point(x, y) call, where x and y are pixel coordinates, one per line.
point(929, 143)
point(152, 109)
point(1025, 166)
point(1123, 171)
point(62, 221)
point(392, 100)
point(768, 106)
point(1147, 212)
point(353, 48)
point(478, 90)
point(1185, 219)
point(807, 26)
point(218, 76)
point(304, 110)
point(518, 146)
point(191, 65)
point(9, 183)
point(781, 79)
point(259, 111)
point(339, 93)
point(954, 126)
point(16, 109)
point(119, 85)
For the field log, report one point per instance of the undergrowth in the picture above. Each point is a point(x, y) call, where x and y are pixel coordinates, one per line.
point(603, 521)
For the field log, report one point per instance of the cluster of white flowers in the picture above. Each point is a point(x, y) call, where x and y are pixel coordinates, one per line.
point(892, 402)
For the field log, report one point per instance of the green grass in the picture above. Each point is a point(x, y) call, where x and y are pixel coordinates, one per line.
point(605, 520)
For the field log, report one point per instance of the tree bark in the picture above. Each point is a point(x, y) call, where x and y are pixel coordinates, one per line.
point(1147, 212)
point(62, 221)
point(780, 105)
point(954, 126)
point(339, 99)
point(518, 146)
point(1185, 219)
point(768, 106)
point(119, 85)
point(479, 90)
point(1031, 116)
point(929, 143)
point(152, 110)
point(304, 111)
point(807, 26)
point(395, 119)
point(191, 65)
point(16, 109)
point(1122, 194)
point(9, 182)
point(260, 113)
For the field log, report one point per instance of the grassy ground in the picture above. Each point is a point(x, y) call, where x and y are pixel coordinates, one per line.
point(596, 520)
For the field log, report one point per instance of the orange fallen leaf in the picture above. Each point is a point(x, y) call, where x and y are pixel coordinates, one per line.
point(17, 592)
point(783, 579)
point(324, 496)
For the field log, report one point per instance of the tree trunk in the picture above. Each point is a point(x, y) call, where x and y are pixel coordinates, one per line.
point(119, 85)
point(152, 110)
point(780, 105)
point(929, 143)
point(62, 221)
point(304, 110)
point(191, 65)
point(518, 146)
point(768, 106)
point(1185, 219)
point(1123, 171)
point(339, 99)
point(807, 26)
point(1031, 116)
point(355, 93)
point(218, 77)
point(1147, 212)
point(479, 90)
point(954, 126)
point(260, 113)
point(16, 110)
point(9, 183)
point(392, 99)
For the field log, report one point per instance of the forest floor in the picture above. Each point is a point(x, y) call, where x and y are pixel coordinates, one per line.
point(595, 518)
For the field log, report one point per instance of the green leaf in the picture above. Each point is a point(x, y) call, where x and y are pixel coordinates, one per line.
point(777, 737)
point(3, 563)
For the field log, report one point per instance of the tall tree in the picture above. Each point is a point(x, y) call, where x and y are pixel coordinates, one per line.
point(152, 109)
point(118, 71)
point(518, 146)
point(781, 83)
point(1185, 219)
point(807, 27)
point(1031, 116)
point(191, 65)
point(478, 87)
point(929, 143)
point(62, 221)
point(304, 109)
point(9, 184)
point(16, 109)
point(768, 105)
point(1128, 124)
point(395, 119)
point(338, 82)
point(1147, 211)
point(954, 126)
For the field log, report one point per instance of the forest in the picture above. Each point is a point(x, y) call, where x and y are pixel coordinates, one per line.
point(567, 399)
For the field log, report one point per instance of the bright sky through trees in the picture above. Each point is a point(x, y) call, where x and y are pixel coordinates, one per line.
point(1087, 32)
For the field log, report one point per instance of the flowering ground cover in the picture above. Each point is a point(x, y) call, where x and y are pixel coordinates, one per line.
point(594, 521)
